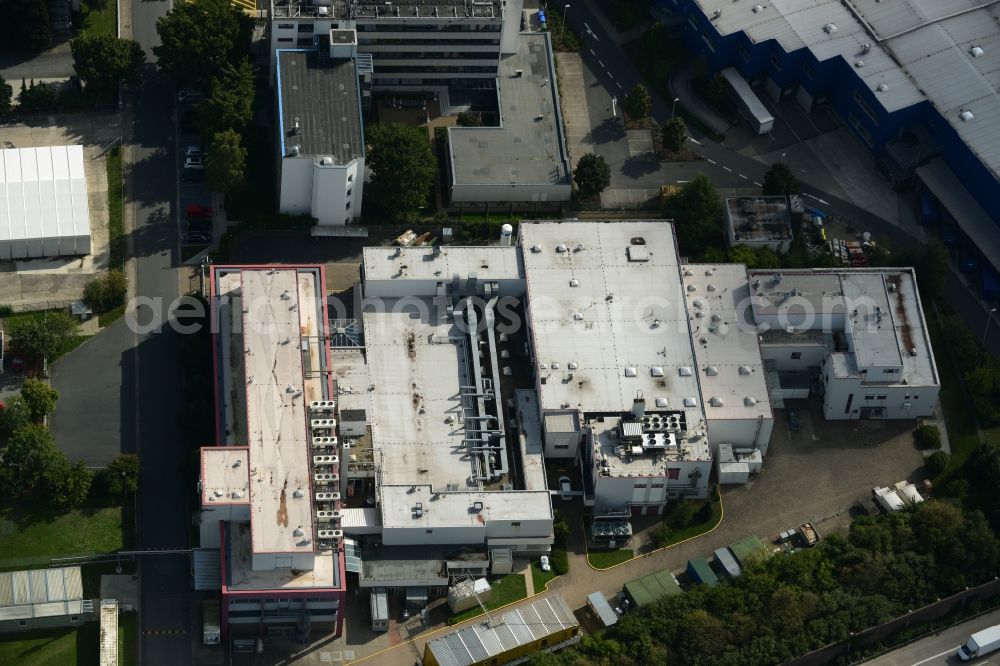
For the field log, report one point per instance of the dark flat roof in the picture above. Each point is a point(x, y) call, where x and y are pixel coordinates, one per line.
point(322, 94)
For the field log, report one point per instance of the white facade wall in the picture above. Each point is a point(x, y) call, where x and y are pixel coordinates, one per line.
point(742, 433)
point(506, 529)
point(211, 515)
point(798, 313)
point(440, 535)
point(485, 193)
point(900, 401)
point(330, 193)
point(295, 197)
point(784, 356)
point(620, 493)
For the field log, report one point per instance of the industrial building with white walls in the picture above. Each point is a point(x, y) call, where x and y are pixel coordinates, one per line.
point(405, 447)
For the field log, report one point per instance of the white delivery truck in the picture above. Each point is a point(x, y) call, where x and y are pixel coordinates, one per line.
point(980, 643)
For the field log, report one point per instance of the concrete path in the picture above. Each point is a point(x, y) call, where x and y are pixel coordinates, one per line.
point(573, 99)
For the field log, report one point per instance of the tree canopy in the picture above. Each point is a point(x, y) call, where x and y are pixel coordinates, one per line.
point(121, 476)
point(15, 413)
point(675, 134)
point(781, 180)
point(27, 460)
point(403, 166)
point(38, 339)
point(199, 38)
point(106, 292)
point(229, 104)
point(101, 60)
point(6, 97)
point(226, 162)
point(39, 397)
point(697, 214)
point(592, 175)
point(638, 103)
point(26, 25)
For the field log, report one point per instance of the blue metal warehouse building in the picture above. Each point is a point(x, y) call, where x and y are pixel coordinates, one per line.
point(916, 80)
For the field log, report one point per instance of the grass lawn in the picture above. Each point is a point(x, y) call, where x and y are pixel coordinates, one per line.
point(959, 418)
point(55, 647)
point(127, 653)
point(605, 559)
point(507, 590)
point(71, 344)
point(116, 229)
point(98, 17)
point(32, 538)
point(691, 531)
point(541, 578)
point(111, 316)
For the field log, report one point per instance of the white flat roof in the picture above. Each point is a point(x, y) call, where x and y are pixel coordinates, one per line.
point(43, 195)
point(530, 439)
point(441, 263)
point(242, 576)
point(416, 367)
point(282, 313)
point(456, 509)
point(225, 475)
point(894, 335)
point(730, 366)
point(605, 328)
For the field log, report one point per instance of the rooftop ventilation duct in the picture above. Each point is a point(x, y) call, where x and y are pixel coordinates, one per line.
point(966, 115)
point(976, 51)
point(715, 401)
point(830, 28)
point(630, 371)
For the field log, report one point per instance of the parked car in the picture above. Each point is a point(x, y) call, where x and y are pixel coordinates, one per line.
point(794, 423)
point(194, 163)
point(543, 562)
point(189, 123)
point(566, 488)
point(194, 151)
point(198, 212)
point(193, 176)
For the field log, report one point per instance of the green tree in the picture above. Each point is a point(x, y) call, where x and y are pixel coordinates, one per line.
point(230, 101)
point(38, 339)
point(404, 167)
point(6, 97)
point(37, 97)
point(767, 258)
point(39, 397)
point(638, 103)
point(697, 212)
point(26, 25)
point(68, 484)
point(102, 60)
point(199, 38)
point(675, 134)
point(27, 459)
point(932, 268)
point(592, 175)
point(226, 162)
point(106, 292)
point(121, 476)
point(469, 119)
point(742, 254)
point(14, 414)
point(937, 463)
point(780, 180)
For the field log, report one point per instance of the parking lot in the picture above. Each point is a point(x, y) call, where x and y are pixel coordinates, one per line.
point(195, 216)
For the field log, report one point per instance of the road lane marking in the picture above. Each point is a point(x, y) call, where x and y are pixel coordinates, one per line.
point(592, 52)
point(757, 184)
point(711, 161)
point(951, 651)
point(619, 85)
point(694, 140)
point(813, 196)
point(727, 169)
point(743, 177)
point(683, 181)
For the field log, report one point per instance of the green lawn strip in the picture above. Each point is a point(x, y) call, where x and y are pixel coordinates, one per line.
point(99, 17)
point(127, 646)
point(605, 559)
point(507, 590)
point(116, 229)
point(111, 316)
point(46, 647)
point(959, 419)
point(33, 537)
point(540, 578)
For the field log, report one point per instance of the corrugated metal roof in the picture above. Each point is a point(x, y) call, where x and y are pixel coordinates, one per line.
point(40, 593)
point(749, 550)
point(602, 608)
point(521, 626)
point(207, 569)
point(728, 562)
point(919, 49)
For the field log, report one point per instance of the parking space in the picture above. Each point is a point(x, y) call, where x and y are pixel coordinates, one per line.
point(195, 217)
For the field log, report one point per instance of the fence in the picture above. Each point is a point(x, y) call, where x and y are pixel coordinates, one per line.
point(875, 635)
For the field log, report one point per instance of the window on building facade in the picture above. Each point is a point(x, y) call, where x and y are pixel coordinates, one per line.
point(870, 397)
point(881, 397)
point(744, 52)
point(796, 356)
point(776, 62)
point(860, 100)
point(673, 472)
point(306, 27)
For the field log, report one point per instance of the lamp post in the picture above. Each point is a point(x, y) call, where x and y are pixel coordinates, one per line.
point(673, 107)
point(989, 318)
point(562, 28)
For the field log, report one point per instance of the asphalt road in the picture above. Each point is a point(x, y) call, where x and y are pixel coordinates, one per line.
point(152, 376)
point(940, 648)
point(56, 63)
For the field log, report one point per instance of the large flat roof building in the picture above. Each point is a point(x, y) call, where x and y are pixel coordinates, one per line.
point(525, 158)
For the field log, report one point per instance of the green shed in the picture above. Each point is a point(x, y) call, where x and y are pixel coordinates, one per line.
point(749, 550)
point(699, 572)
point(649, 588)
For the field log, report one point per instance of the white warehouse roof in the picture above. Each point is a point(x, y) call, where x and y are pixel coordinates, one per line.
point(43, 203)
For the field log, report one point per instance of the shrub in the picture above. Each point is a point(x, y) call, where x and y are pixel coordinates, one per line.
point(559, 559)
point(14, 414)
point(469, 119)
point(6, 311)
point(39, 397)
point(927, 437)
point(937, 463)
point(106, 292)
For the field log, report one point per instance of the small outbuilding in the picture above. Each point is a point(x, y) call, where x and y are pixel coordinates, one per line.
point(698, 571)
point(42, 598)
